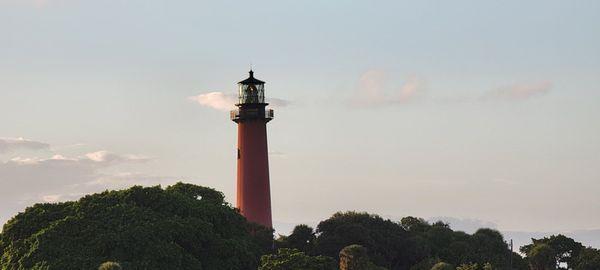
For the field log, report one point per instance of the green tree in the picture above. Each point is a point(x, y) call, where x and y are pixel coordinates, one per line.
point(181, 227)
point(541, 257)
point(588, 259)
point(293, 259)
point(302, 238)
point(488, 246)
point(414, 224)
point(387, 243)
point(354, 257)
point(468, 266)
point(442, 266)
point(110, 266)
point(566, 249)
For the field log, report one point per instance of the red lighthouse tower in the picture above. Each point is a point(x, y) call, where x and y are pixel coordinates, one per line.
point(253, 188)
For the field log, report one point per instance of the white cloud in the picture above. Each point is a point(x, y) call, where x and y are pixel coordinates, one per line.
point(375, 90)
point(12, 144)
point(521, 91)
point(216, 100)
point(225, 102)
point(108, 157)
point(27, 180)
point(94, 158)
point(51, 198)
point(127, 179)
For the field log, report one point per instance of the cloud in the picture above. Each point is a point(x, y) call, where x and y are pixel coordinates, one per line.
point(12, 144)
point(278, 103)
point(28, 180)
point(216, 100)
point(110, 158)
point(102, 158)
point(225, 102)
point(52, 198)
point(520, 91)
point(374, 90)
point(68, 146)
point(127, 179)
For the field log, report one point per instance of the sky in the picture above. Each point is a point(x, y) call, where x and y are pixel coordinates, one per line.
point(484, 111)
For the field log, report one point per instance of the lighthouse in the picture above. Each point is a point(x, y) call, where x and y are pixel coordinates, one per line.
point(253, 188)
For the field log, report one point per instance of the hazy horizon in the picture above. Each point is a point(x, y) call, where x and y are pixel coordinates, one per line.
point(470, 110)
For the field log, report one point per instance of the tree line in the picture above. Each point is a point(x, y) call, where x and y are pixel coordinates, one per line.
point(185, 226)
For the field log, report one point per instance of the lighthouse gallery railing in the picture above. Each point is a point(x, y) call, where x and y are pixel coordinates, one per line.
point(267, 114)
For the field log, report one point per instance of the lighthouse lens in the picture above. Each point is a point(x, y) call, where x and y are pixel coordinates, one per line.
point(251, 93)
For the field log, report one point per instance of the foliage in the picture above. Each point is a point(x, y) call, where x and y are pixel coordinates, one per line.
point(191, 227)
point(302, 238)
point(490, 247)
point(566, 250)
point(413, 243)
point(438, 242)
point(541, 257)
point(110, 266)
point(290, 259)
point(474, 266)
point(468, 266)
point(181, 227)
point(387, 242)
point(425, 264)
point(442, 266)
point(354, 257)
point(588, 259)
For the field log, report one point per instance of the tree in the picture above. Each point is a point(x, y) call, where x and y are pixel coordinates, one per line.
point(293, 259)
point(414, 224)
point(302, 238)
point(541, 257)
point(110, 266)
point(468, 266)
point(489, 247)
point(387, 243)
point(181, 227)
point(588, 259)
point(442, 266)
point(354, 257)
point(566, 249)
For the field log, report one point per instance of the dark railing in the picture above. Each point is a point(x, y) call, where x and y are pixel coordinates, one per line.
point(247, 114)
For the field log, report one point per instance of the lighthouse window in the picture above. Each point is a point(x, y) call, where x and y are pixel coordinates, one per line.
point(238, 153)
point(251, 93)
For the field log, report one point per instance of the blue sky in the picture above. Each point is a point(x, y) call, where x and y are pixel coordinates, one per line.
point(469, 109)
